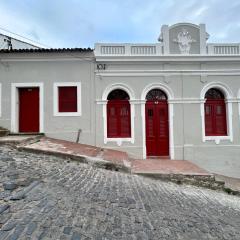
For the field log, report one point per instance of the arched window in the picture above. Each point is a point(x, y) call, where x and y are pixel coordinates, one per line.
point(155, 95)
point(118, 115)
point(215, 113)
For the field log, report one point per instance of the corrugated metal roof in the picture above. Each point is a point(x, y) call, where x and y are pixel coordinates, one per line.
point(46, 50)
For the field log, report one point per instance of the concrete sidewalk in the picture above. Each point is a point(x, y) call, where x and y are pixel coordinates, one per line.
point(70, 149)
point(167, 167)
point(106, 158)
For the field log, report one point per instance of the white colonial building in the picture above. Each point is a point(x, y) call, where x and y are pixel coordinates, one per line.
point(178, 98)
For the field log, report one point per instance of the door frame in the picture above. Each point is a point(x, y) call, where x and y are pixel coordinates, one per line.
point(15, 105)
point(170, 97)
point(162, 104)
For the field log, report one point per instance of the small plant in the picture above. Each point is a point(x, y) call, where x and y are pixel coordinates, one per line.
point(228, 190)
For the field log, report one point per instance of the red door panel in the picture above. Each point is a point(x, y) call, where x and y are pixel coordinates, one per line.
point(163, 135)
point(157, 129)
point(151, 130)
point(28, 109)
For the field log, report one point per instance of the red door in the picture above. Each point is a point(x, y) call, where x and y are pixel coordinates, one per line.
point(157, 132)
point(28, 109)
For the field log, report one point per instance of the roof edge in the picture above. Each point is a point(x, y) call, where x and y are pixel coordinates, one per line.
point(46, 50)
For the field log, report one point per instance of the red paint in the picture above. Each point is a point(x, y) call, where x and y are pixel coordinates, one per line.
point(28, 109)
point(67, 99)
point(118, 119)
point(157, 129)
point(215, 117)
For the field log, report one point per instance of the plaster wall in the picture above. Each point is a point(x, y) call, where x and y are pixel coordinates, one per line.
point(49, 71)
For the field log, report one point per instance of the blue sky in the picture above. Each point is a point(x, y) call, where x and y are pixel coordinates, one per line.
point(81, 23)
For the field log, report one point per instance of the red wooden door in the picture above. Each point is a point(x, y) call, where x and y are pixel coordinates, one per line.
point(28, 109)
point(157, 132)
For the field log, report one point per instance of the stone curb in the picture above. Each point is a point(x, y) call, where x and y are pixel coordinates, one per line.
point(196, 180)
point(95, 162)
point(16, 143)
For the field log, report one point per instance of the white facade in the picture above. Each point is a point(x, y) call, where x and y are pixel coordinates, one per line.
point(184, 66)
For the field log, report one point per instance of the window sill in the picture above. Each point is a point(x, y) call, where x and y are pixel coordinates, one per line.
point(67, 114)
point(119, 141)
point(217, 139)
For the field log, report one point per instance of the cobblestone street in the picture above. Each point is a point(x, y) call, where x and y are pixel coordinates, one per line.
point(45, 197)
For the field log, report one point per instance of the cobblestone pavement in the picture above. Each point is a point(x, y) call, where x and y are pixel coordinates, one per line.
point(44, 197)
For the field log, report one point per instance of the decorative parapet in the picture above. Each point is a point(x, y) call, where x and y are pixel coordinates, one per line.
point(108, 49)
point(223, 49)
point(127, 49)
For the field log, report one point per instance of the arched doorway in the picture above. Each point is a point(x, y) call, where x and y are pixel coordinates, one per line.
point(157, 126)
point(118, 114)
point(215, 113)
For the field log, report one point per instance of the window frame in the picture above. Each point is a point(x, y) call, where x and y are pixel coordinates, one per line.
point(228, 101)
point(56, 112)
point(103, 102)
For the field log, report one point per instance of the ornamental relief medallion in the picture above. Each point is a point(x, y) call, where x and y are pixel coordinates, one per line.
point(184, 40)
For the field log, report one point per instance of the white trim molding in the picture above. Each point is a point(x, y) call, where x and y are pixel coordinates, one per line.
point(229, 112)
point(115, 86)
point(15, 105)
point(0, 100)
point(170, 96)
point(104, 101)
point(56, 112)
point(238, 100)
point(167, 72)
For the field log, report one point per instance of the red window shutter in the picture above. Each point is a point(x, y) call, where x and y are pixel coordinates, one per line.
point(124, 118)
point(118, 119)
point(67, 99)
point(215, 118)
